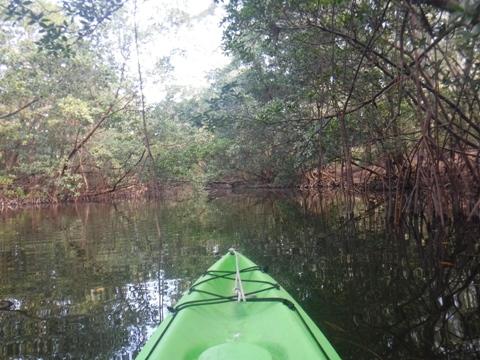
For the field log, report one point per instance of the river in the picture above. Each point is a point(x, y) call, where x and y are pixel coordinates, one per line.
point(92, 281)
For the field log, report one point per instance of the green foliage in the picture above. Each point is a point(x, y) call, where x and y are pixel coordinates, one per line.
point(310, 82)
point(184, 150)
point(380, 82)
point(50, 105)
point(60, 27)
point(67, 186)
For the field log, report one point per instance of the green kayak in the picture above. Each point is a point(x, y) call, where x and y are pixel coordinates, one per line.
point(236, 311)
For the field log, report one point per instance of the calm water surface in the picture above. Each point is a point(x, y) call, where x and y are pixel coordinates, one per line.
point(92, 281)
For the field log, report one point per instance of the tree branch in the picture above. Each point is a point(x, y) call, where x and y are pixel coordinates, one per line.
point(20, 109)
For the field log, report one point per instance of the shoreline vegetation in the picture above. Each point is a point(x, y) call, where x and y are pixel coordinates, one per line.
point(374, 181)
point(356, 96)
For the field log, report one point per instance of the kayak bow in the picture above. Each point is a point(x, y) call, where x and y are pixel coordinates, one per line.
point(236, 311)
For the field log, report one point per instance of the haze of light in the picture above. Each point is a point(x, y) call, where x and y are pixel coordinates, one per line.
point(192, 40)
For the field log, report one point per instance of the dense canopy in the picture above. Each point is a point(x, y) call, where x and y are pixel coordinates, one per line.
point(363, 95)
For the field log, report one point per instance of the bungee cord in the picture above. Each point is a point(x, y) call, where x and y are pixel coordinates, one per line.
point(238, 289)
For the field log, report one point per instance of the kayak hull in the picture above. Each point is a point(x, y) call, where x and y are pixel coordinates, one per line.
point(237, 311)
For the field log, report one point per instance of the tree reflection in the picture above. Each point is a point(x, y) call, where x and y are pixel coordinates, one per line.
point(84, 282)
point(412, 292)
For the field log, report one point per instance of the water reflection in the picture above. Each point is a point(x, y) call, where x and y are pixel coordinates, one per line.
point(408, 289)
point(86, 282)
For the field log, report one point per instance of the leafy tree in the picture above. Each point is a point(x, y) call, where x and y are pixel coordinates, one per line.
point(385, 78)
point(51, 108)
point(64, 25)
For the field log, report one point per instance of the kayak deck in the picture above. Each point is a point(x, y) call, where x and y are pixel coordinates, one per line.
point(237, 311)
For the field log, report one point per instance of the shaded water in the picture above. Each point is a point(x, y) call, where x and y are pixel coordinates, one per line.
point(92, 281)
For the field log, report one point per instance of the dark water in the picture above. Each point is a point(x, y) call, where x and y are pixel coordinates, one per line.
point(92, 281)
